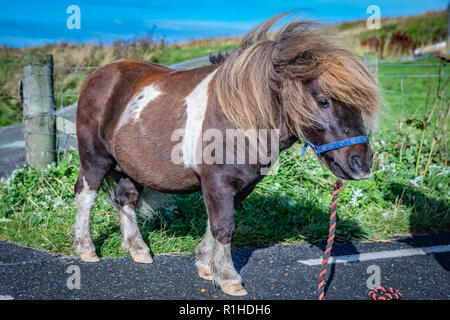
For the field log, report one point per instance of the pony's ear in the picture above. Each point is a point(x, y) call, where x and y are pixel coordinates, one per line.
point(219, 57)
point(302, 67)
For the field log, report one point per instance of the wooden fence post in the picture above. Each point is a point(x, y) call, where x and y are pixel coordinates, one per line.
point(39, 125)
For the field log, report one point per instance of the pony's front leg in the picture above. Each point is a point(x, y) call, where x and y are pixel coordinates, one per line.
point(205, 255)
point(214, 251)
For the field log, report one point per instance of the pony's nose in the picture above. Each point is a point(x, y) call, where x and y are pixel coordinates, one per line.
point(355, 162)
point(360, 165)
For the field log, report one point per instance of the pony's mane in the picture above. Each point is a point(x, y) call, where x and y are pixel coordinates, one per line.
point(260, 83)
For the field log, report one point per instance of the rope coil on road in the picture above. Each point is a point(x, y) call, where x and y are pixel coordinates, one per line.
point(382, 293)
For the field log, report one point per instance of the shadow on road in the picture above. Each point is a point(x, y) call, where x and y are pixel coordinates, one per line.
point(434, 212)
point(261, 221)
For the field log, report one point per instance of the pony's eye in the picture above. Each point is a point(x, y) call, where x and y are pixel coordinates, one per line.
point(323, 102)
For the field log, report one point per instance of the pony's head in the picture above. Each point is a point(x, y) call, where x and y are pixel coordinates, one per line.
point(301, 83)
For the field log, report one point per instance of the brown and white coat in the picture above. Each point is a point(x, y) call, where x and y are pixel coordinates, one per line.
point(134, 118)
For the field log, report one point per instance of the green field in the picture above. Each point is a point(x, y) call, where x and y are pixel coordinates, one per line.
point(37, 206)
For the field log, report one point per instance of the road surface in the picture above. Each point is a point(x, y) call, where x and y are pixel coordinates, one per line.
point(418, 266)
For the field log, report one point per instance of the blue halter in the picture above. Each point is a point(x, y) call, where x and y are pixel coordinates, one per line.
point(334, 145)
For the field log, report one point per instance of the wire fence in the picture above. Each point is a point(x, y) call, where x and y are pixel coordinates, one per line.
point(409, 88)
point(63, 88)
point(67, 82)
point(400, 83)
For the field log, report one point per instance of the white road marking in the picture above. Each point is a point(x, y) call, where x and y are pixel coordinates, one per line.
point(6, 297)
point(196, 103)
point(379, 255)
point(138, 103)
point(14, 144)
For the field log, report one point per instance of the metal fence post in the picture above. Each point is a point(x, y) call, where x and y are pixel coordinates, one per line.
point(39, 125)
point(371, 62)
point(448, 27)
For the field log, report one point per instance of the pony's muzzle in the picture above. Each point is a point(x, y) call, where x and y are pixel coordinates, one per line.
point(351, 162)
point(360, 163)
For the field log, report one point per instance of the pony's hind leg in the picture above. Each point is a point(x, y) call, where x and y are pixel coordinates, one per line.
point(86, 190)
point(126, 198)
point(95, 163)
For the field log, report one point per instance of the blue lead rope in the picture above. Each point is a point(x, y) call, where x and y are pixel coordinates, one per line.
point(334, 145)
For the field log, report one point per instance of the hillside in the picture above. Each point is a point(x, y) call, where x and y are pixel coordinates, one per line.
point(397, 36)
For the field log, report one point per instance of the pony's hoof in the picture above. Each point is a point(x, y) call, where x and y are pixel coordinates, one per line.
point(205, 273)
point(89, 257)
point(233, 289)
point(142, 258)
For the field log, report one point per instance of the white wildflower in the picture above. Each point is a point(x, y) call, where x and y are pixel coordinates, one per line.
point(58, 204)
point(356, 194)
point(416, 181)
point(443, 173)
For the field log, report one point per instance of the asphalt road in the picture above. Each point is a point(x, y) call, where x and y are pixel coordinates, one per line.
point(12, 149)
point(278, 272)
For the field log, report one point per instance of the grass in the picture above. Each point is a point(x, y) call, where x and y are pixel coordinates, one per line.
point(415, 81)
point(37, 206)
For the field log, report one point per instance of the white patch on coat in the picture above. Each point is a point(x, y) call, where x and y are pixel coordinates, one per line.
point(138, 102)
point(196, 103)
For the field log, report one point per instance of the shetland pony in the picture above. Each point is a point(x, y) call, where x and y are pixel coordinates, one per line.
point(148, 126)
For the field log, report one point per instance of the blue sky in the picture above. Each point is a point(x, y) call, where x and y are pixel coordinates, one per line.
point(31, 22)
